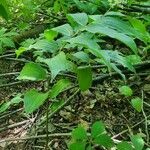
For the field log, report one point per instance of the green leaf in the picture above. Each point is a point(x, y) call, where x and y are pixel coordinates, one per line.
point(104, 140)
point(57, 6)
point(50, 34)
point(86, 41)
point(124, 146)
point(45, 46)
point(97, 129)
point(84, 76)
point(59, 87)
point(98, 28)
point(141, 28)
point(3, 9)
point(33, 100)
point(79, 134)
point(126, 90)
point(133, 59)
point(78, 18)
point(20, 51)
point(77, 146)
point(84, 57)
point(138, 142)
point(137, 104)
point(7, 42)
point(17, 99)
point(59, 63)
point(65, 29)
point(32, 71)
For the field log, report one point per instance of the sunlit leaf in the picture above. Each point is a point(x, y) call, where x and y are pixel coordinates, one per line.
point(126, 90)
point(78, 18)
point(59, 87)
point(97, 129)
point(124, 146)
point(137, 104)
point(32, 71)
point(137, 141)
point(65, 29)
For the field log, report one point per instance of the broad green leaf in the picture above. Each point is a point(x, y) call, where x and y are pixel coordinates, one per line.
point(2, 31)
point(4, 9)
point(78, 18)
point(97, 129)
point(32, 71)
point(59, 87)
point(7, 42)
point(133, 59)
point(140, 27)
point(45, 45)
point(79, 134)
point(98, 28)
point(50, 34)
point(117, 57)
point(137, 141)
point(82, 56)
point(86, 41)
point(77, 146)
point(17, 99)
point(33, 100)
point(124, 146)
point(59, 63)
point(137, 104)
point(84, 76)
point(104, 140)
point(65, 29)
point(126, 90)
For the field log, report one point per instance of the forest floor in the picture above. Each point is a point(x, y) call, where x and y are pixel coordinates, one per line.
point(101, 102)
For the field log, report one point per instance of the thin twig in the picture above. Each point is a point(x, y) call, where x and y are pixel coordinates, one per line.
point(10, 113)
point(7, 55)
point(14, 125)
point(9, 74)
point(35, 137)
point(124, 131)
point(11, 84)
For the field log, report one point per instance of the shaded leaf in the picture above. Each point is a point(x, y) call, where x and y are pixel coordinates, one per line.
point(98, 28)
point(33, 100)
point(84, 76)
